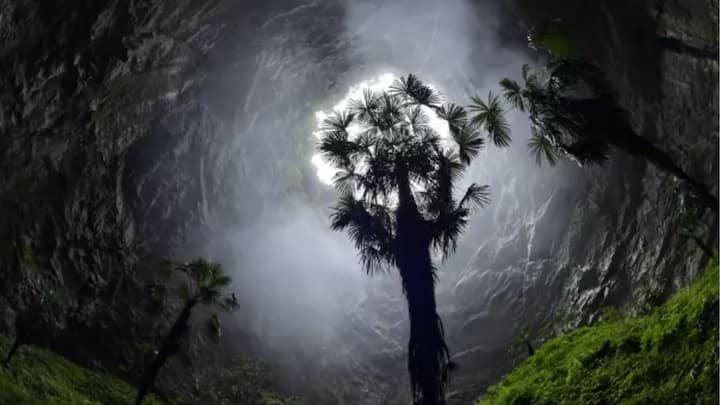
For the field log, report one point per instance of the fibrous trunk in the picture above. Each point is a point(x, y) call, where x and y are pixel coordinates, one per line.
point(168, 347)
point(428, 356)
point(427, 351)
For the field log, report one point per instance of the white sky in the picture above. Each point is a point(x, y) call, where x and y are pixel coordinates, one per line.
point(325, 171)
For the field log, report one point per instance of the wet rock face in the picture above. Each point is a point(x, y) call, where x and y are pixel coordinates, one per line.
point(110, 149)
point(606, 237)
point(123, 125)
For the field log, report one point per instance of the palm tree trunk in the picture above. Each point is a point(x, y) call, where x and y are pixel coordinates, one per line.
point(428, 357)
point(677, 45)
point(638, 146)
point(168, 347)
point(13, 349)
point(427, 351)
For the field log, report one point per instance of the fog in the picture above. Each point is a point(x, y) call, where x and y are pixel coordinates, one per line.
point(300, 285)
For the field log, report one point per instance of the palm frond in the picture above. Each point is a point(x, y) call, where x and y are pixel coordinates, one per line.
point(388, 114)
point(491, 116)
point(526, 72)
point(337, 149)
point(346, 181)
point(475, 196)
point(337, 121)
point(447, 228)
point(378, 179)
point(513, 93)
point(365, 107)
point(415, 91)
point(568, 72)
point(221, 280)
point(469, 142)
point(370, 231)
point(438, 197)
point(417, 120)
point(543, 148)
point(228, 302)
point(455, 116)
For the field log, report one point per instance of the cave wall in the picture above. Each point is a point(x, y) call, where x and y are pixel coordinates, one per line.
point(125, 125)
point(601, 237)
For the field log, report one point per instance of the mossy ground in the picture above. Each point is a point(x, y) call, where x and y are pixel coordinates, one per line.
point(38, 376)
point(668, 357)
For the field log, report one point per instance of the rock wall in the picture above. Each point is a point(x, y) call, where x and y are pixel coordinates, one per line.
point(125, 125)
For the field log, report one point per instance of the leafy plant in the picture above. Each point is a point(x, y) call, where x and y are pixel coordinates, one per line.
point(667, 357)
point(574, 112)
point(522, 343)
point(39, 377)
point(203, 283)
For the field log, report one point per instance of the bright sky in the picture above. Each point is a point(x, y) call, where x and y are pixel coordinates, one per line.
point(325, 171)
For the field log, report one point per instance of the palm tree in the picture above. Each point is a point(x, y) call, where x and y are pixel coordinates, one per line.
point(396, 178)
point(575, 113)
point(203, 285)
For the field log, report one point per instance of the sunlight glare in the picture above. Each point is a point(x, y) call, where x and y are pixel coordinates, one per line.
point(325, 171)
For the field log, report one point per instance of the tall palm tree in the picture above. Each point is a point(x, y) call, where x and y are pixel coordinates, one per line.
point(204, 284)
point(396, 178)
point(575, 113)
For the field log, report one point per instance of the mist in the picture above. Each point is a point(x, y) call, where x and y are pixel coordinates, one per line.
point(300, 284)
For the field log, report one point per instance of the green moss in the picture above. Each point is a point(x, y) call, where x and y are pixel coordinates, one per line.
point(26, 253)
point(667, 357)
point(38, 376)
point(555, 37)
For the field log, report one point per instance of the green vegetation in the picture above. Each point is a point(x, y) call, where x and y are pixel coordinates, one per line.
point(38, 376)
point(26, 253)
point(203, 284)
point(667, 357)
point(554, 36)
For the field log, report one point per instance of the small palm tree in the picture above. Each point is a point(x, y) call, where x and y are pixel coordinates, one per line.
point(204, 284)
point(575, 113)
point(396, 178)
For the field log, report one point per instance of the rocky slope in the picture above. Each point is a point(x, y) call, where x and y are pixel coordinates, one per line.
point(667, 357)
point(130, 129)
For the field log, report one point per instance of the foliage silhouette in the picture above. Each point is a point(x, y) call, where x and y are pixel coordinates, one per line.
point(574, 112)
point(204, 284)
point(396, 178)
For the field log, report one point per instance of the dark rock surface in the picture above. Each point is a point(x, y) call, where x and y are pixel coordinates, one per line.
point(125, 125)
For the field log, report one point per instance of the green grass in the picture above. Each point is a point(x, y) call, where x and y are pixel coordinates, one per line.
point(38, 376)
point(665, 358)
